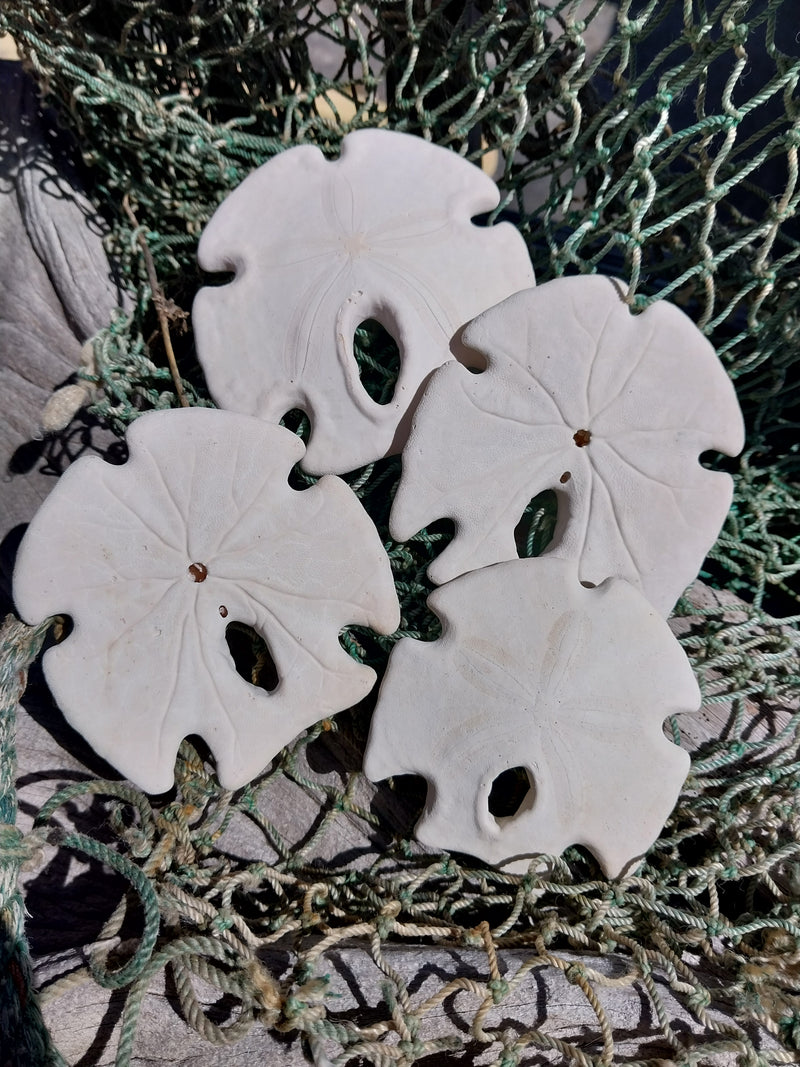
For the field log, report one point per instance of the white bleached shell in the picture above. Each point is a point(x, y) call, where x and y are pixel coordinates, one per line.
point(123, 550)
point(532, 670)
point(566, 359)
point(317, 247)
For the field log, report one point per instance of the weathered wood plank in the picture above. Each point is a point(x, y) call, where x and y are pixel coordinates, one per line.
point(85, 1021)
point(55, 291)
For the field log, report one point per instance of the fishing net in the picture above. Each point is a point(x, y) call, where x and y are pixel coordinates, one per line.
point(652, 140)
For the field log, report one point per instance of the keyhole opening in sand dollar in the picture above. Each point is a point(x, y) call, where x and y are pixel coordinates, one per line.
point(513, 791)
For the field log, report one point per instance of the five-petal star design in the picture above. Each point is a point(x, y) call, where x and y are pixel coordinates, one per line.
point(570, 684)
point(154, 559)
point(611, 410)
point(317, 247)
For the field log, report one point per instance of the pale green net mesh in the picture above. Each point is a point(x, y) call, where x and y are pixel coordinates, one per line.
point(664, 154)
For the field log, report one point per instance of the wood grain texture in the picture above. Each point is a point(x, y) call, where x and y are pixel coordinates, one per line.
point(69, 899)
point(56, 290)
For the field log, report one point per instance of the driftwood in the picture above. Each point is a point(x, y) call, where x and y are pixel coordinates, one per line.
point(56, 290)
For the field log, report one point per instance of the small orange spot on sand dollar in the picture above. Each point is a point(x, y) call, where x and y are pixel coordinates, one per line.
point(582, 438)
point(565, 477)
point(223, 611)
point(198, 571)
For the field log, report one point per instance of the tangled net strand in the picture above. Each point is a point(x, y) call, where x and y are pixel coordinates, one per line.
point(666, 154)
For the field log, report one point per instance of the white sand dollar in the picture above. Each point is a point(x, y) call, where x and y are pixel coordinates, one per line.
point(317, 247)
point(154, 559)
point(610, 409)
point(532, 670)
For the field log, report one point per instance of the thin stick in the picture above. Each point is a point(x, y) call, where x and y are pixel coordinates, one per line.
point(159, 301)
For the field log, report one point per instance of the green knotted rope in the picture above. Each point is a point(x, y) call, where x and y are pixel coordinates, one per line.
point(24, 1036)
point(665, 155)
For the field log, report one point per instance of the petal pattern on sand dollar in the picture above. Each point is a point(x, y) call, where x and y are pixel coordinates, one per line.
point(569, 685)
point(155, 559)
point(318, 247)
point(610, 409)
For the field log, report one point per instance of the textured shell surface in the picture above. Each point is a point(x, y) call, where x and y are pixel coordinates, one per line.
point(154, 559)
point(567, 684)
point(609, 409)
point(384, 232)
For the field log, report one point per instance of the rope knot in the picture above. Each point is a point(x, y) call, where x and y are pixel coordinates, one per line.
point(630, 27)
point(698, 1000)
point(10, 838)
point(16, 847)
point(412, 1048)
point(738, 34)
point(575, 973)
point(385, 922)
point(293, 1007)
point(498, 987)
point(789, 1026)
point(472, 939)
